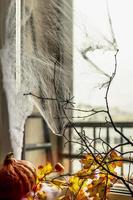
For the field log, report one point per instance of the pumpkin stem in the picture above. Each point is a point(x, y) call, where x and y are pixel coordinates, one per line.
point(8, 158)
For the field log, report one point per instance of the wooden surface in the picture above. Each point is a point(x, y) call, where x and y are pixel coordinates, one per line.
point(114, 196)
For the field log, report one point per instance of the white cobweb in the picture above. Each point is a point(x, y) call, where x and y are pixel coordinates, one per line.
point(46, 67)
point(95, 46)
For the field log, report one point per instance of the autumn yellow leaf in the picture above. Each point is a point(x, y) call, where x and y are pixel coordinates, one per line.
point(64, 197)
point(61, 198)
point(87, 160)
point(59, 183)
point(75, 184)
point(113, 154)
point(41, 195)
point(44, 170)
point(29, 198)
point(81, 195)
point(84, 173)
point(117, 158)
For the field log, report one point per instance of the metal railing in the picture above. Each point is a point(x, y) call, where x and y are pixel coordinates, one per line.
point(92, 128)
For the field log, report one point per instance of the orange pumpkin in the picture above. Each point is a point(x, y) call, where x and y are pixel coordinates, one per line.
point(17, 178)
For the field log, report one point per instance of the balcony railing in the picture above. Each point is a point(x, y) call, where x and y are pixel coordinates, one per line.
point(70, 151)
point(92, 130)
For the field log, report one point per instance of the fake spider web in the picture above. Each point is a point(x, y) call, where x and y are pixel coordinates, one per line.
point(46, 63)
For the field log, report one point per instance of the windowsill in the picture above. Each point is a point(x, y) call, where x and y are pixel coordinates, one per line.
point(116, 196)
point(119, 191)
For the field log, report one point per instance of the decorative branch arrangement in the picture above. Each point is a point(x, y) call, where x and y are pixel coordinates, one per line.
point(93, 181)
point(98, 173)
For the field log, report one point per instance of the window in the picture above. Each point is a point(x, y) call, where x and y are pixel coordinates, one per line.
point(57, 49)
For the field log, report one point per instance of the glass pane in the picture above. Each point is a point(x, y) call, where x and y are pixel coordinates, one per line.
point(37, 157)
